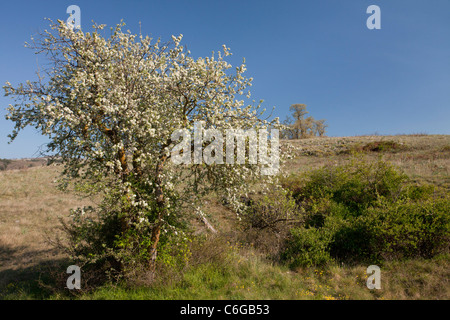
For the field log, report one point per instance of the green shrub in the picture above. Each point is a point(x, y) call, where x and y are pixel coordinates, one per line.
point(310, 246)
point(307, 247)
point(420, 192)
point(407, 229)
point(365, 212)
point(356, 185)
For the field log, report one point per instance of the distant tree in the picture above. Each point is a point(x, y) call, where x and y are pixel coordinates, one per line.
point(288, 132)
point(299, 112)
point(309, 126)
point(320, 127)
point(299, 127)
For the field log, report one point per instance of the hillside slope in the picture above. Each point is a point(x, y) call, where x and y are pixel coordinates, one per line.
point(30, 205)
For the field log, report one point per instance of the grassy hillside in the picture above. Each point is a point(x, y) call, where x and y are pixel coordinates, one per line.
point(221, 266)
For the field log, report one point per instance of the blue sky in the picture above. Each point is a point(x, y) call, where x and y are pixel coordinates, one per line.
point(318, 52)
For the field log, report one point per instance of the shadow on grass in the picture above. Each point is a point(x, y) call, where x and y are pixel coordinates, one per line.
point(42, 280)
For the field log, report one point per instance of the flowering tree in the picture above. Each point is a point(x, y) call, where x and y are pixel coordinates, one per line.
point(110, 106)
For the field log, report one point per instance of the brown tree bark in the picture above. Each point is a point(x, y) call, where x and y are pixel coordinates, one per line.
point(161, 205)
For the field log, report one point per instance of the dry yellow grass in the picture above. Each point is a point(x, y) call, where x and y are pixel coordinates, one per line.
point(30, 205)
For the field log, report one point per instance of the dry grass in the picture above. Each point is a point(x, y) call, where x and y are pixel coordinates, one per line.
point(18, 164)
point(405, 280)
point(30, 206)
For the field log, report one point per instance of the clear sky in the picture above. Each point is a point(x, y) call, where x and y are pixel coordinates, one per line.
point(318, 52)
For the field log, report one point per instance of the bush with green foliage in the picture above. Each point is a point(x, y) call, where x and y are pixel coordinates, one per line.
point(356, 186)
point(365, 212)
point(309, 246)
point(402, 229)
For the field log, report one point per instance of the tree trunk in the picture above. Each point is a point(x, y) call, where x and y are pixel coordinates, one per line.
point(154, 246)
point(156, 231)
point(161, 206)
